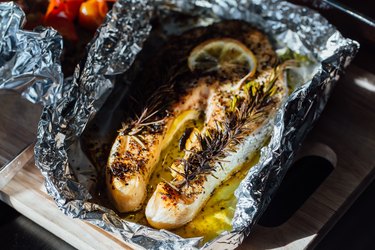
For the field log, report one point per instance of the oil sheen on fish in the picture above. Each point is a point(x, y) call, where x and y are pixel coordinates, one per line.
point(237, 106)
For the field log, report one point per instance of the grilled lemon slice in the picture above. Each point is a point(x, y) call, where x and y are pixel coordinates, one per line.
point(225, 55)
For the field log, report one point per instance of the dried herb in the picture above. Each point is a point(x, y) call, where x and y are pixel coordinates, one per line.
point(152, 118)
point(216, 144)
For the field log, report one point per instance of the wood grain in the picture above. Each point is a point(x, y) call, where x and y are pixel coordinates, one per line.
point(18, 124)
point(347, 126)
point(26, 193)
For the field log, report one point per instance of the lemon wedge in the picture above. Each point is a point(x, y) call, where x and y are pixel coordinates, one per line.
point(178, 122)
point(226, 56)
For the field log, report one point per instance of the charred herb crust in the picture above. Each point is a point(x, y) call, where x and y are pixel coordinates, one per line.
point(217, 144)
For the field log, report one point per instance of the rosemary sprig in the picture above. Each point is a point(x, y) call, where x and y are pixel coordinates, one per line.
point(217, 144)
point(151, 118)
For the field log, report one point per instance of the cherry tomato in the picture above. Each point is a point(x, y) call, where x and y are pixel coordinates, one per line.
point(92, 13)
point(73, 6)
point(64, 26)
point(61, 14)
point(63, 8)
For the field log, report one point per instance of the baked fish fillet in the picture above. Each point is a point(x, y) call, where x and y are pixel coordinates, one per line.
point(176, 203)
point(222, 101)
point(136, 149)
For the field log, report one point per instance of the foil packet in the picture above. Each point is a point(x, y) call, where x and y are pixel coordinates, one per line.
point(29, 60)
point(110, 55)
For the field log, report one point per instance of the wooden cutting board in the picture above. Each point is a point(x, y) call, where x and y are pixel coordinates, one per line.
point(347, 126)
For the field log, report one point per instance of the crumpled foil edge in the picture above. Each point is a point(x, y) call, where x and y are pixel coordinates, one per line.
point(29, 60)
point(112, 52)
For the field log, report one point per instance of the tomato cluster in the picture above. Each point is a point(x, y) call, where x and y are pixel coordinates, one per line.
point(64, 14)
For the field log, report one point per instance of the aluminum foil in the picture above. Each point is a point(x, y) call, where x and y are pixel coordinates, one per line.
point(110, 55)
point(29, 60)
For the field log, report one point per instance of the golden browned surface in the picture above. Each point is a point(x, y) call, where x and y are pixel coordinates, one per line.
point(132, 156)
point(136, 153)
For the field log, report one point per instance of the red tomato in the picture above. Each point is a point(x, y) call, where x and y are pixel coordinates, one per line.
point(61, 14)
point(92, 13)
point(73, 6)
point(63, 25)
point(58, 8)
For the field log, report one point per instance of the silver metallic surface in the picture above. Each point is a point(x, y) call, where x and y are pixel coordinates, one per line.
point(29, 60)
point(113, 51)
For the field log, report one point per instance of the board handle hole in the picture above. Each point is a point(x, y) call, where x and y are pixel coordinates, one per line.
point(313, 165)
